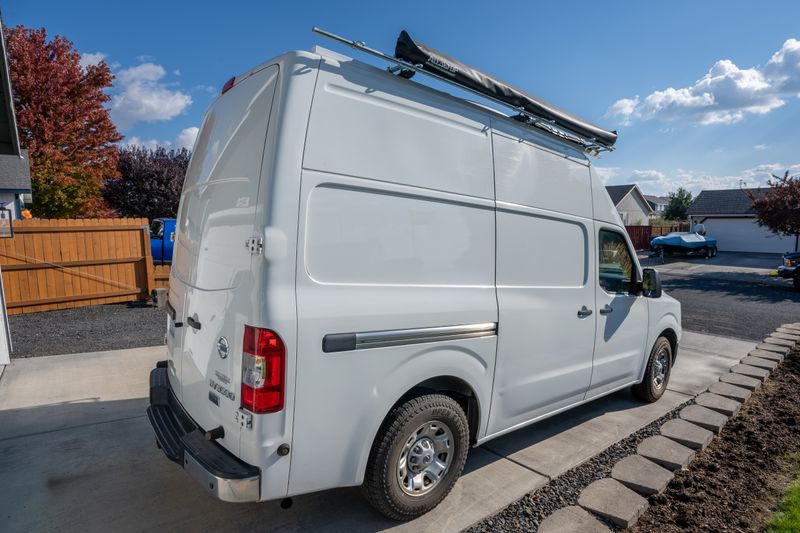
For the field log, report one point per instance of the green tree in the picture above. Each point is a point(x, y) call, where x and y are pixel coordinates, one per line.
point(679, 202)
point(62, 122)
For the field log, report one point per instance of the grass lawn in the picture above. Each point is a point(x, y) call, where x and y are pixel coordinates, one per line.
point(787, 519)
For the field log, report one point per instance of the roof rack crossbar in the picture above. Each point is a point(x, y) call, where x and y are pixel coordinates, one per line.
point(406, 70)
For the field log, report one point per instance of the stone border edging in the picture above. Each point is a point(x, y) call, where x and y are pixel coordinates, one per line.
point(621, 498)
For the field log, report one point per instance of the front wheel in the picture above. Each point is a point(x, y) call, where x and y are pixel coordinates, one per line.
point(417, 456)
point(656, 375)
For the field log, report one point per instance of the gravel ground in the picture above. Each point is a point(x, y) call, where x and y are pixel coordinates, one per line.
point(87, 329)
point(527, 513)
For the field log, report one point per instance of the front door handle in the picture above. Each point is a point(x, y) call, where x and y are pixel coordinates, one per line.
point(193, 322)
point(584, 311)
point(607, 309)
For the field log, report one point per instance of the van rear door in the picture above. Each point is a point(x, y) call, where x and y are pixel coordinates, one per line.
point(212, 289)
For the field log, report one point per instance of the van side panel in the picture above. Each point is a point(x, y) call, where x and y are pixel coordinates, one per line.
point(382, 248)
point(365, 125)
point(545, 274)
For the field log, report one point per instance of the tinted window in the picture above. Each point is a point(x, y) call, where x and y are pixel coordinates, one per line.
point(616, 263)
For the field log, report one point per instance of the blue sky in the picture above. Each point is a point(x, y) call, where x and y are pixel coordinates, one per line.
point(704, 94)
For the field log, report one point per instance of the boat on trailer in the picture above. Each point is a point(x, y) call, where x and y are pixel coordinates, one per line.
point(685, 243)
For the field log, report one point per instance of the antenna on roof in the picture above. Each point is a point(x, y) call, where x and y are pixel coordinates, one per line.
point(412, 57)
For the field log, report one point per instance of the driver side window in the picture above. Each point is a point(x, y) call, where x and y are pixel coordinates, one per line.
point(616, 263)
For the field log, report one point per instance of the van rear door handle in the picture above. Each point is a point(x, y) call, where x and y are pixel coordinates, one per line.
point(607, 309)
point(584, 311)
point(193, 322)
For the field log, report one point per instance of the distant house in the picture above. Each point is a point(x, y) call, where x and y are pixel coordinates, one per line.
point(728, 216)
point(15, 172)
point(631, 204)
point(658, 204)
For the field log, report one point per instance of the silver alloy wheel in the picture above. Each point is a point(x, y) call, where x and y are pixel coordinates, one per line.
point(661, 368)
point(425, 458)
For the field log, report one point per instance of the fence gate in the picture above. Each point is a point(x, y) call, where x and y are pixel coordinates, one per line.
point(64, 263)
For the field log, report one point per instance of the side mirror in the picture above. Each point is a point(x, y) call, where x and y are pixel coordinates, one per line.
point(651, 283)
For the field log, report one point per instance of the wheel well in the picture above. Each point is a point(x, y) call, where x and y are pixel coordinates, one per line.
point(456, 388)
point(672, 337)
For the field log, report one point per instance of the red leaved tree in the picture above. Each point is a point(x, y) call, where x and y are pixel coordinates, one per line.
point(62, 122)
point(779, 210)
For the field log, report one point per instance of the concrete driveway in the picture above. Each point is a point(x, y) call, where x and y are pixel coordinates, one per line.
point(77, 452)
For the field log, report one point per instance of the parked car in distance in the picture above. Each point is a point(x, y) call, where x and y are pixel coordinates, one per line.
point(789, 268)
point(372, 276)
point(162, 239)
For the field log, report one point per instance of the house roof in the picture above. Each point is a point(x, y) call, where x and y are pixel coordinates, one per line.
point(725, 202)
point(656, 199)
point(618, 192)
point(15, 173)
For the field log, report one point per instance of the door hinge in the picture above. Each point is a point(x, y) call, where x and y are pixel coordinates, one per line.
point(244, 419)
point(254, 244)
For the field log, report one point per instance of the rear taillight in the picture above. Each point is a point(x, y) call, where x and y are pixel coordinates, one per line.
point(263, 369)
point(228, 85)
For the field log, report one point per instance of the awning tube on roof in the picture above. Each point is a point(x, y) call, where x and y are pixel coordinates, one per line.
point(462, 74)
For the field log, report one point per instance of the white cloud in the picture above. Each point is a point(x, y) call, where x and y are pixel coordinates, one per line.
point(91, 59)
point(144, 97)
point(760, 147)
point(659, 183)
point(726, 94)
point(184, 139)
point(605, 173)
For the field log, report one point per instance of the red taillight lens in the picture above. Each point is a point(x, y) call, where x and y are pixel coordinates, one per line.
point(228, 85)
point(263, 369)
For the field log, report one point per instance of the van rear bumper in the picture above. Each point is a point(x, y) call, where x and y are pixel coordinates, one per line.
point(182, 441)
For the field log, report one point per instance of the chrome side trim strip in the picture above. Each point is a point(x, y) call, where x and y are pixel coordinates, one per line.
point(341, 342)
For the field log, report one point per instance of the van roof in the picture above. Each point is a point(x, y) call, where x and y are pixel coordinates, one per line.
point(537, 136)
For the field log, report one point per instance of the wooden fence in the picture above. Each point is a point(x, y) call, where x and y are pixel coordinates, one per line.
point(641, 235)
point(162, 276)
point(59, 264)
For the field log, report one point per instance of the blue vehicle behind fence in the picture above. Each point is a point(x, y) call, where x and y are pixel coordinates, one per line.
point(162, 238)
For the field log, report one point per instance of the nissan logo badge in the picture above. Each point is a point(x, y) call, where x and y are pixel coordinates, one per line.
point(222, 347)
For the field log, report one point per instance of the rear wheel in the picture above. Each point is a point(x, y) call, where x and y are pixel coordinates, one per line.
point(797, 278)
point(656, 375)
point(417, 456)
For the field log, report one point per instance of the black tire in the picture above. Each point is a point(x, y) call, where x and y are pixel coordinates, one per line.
point(706, 252)
point(382, 486)
point(797, 279)
point(648, 390)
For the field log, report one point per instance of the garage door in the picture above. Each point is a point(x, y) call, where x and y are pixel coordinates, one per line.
point(745, 235)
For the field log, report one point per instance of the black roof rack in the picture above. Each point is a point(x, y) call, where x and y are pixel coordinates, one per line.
point(411, 57)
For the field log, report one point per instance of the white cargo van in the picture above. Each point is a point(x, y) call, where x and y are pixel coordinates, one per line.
point(370, 276)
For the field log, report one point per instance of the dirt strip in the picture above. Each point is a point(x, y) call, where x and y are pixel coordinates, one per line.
point(735, 484)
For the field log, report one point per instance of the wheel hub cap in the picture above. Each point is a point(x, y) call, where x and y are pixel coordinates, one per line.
point(425, 458)
point(661, 367)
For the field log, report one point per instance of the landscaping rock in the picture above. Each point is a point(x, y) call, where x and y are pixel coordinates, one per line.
point(740, 381)
point(790, 331)
point(571, 519)
point(764, 354)
point(751, 371)
point(779, 342)
point(641, 475)
point(767, 364)
point(610, 499)
point(773, 348)
point(687, 434)
point(718, 403)
point(704, 417)
point(787, 336)
point(665, 452)
point(791, 327)
point(740, 394)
